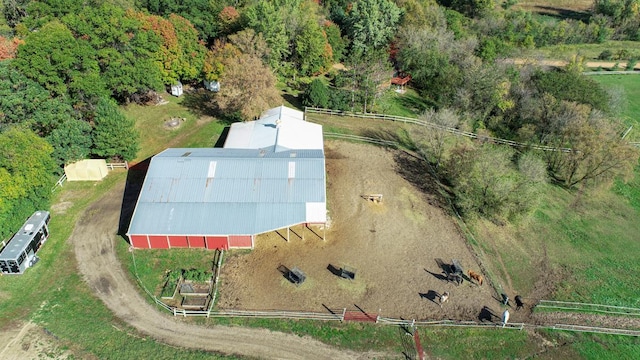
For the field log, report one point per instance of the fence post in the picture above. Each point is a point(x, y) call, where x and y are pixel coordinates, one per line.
point(174, 312)
point(344, 312)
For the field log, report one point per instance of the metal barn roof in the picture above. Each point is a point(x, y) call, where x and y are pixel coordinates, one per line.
point(278, 129)
point(221, 191)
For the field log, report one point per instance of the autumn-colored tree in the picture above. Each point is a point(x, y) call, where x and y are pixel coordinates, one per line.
point(8, 47)
point(229, 19)
point(214, 63)
point(250, 43)
point(247, 86)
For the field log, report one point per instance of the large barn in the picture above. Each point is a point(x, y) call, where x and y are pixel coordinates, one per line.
point(270, 175)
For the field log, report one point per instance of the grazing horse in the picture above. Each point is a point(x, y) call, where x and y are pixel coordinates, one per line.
point(505, 317)
point(444, 298)
point(475, 276)
point(519, 302)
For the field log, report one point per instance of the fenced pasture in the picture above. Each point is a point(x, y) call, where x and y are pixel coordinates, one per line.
point(392, 243)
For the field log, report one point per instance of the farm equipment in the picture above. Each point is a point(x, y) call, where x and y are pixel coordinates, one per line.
point(296, 276)
point(347, 272)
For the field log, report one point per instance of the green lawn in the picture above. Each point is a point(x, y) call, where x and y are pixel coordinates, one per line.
point(629, 87)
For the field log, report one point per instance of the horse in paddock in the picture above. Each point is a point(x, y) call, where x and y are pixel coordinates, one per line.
point(475, 276)
point(519, 302)
point(505, 318)
point(454, 277)
point(444, 298)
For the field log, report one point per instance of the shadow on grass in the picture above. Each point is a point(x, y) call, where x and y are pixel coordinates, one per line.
point(223, 137)
point(198, 102)
point(562, 14)
point(417, 172)
point(294, 101)
point(133, 187)
point(415, 103)
point(407, 343)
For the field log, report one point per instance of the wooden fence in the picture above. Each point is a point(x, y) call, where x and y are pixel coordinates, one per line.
point(408, 120)
point(339, 315)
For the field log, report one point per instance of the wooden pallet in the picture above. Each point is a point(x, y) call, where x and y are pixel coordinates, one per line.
point(376, 198)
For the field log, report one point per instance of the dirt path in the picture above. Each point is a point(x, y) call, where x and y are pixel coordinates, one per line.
point(93, 239)
point(561, 63)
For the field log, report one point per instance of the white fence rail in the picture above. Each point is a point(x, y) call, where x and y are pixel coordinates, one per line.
point(360, 138)
point(59, 183)
point(586, 307)
point(408, 120)
point(597, 330)
point(122, 165)
point(339, 315)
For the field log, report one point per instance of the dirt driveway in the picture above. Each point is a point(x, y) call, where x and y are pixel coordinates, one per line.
point(393, 245)
point(93, 240)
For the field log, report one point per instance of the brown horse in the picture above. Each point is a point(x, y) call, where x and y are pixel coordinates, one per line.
point(475, 276)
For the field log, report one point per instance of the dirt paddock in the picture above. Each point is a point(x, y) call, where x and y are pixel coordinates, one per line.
point(393, 245)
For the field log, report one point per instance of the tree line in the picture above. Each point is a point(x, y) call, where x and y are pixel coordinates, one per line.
point(68, 66)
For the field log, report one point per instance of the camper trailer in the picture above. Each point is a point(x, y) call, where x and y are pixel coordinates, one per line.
point(20, 252)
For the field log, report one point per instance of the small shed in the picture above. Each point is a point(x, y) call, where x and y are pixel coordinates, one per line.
point(211, 85)
point(176, 89)
point(86, 170)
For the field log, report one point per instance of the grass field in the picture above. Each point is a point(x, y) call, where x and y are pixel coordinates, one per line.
point(629, 85)
point(589, 51)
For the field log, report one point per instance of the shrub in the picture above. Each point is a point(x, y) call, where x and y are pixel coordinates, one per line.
point(316, 94)
point(342, 79)
point(605, 55)
point(197, 275)
point(340, 99)
point(631, 64)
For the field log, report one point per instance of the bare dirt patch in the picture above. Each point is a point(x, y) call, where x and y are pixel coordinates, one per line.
point(392, 244)
point(28, 341)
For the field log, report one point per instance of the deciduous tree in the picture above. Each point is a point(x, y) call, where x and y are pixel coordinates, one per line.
point(25, 176)
point(371, 24)
point(247, 87)
point(598, 153)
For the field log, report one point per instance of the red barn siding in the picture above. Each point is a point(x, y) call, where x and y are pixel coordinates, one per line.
point(158, 241)
point(139, 241)
point(178, 241)
point(217, 242)
point(196, 241)
point(240, 241)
